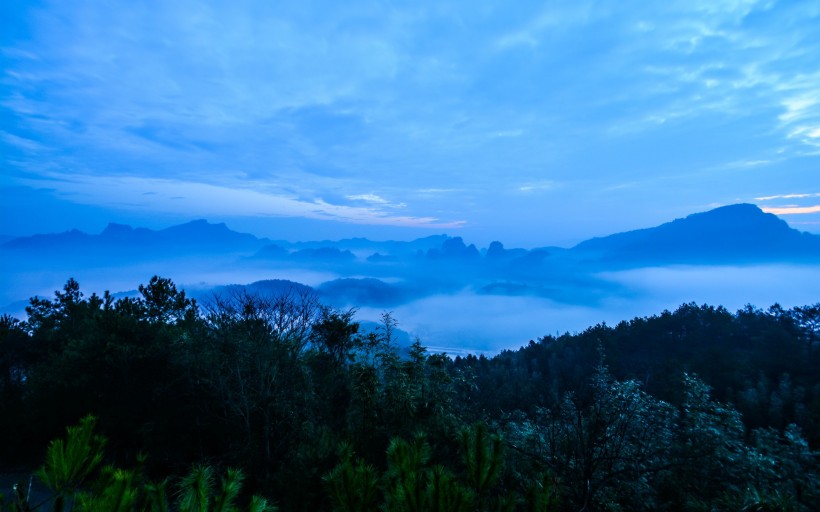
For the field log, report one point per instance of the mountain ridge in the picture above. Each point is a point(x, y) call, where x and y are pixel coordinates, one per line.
point(477, 294)
point(734, 233)
point(198, 235)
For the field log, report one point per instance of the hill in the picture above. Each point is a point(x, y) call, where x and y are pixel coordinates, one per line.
point(735, 234)
point(195, 237)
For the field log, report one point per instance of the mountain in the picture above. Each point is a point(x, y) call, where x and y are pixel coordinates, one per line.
point(732, 235)
point(444, 288)
point(122, 241)
point(231, 293)
point(48, 242)
point(454, 249)
point(736, 234)
point(323, 255)
point(202, 235)
point(366, 292)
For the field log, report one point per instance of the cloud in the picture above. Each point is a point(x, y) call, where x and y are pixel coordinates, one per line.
point(438, 103)
point(375, 200)
point(538, 186)
point(197, 199)
point(494, 323)
point(368, 198)
point(791, 210)
point(556, 16)
point(23, 143)
point(786, 196)
point(717, 59)
point(750, 163)
point(798, 108)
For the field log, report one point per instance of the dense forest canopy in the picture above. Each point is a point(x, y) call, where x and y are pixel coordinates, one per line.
point(693, 409)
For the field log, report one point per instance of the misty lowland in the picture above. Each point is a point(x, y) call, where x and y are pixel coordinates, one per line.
point(198, 368)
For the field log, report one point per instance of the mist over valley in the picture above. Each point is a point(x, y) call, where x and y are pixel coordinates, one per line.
point(445, 291)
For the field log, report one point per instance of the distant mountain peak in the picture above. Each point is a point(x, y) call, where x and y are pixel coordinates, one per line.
point(122, 241)
point(202, 222)
point(114, 228)
point(736, 207)
point(198, 223)
point(739, 213)
point(739, 233)
point(202, 227)
point(734, 221)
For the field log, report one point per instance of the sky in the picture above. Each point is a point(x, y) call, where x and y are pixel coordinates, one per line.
point(533, 123)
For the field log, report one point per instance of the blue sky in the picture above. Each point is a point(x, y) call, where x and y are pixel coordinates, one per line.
point(534, 123)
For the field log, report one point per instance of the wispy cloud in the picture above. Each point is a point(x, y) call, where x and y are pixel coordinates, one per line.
point(369, 198)
point(537, 186)
point(786, 196)
point(375, 200)
point(196, 199)
point(791, 210)
point(798, 107)
point(438, 108)
point(746, 164)
point(21, 142)
point(556, 16)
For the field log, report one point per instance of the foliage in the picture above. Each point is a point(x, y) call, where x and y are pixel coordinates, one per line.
point(77, 481)
point(483, 458)
point(71, 462)
point(353, 485)
point(693, 409)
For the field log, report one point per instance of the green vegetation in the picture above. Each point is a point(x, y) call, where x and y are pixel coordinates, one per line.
point(696, 409)
point(76, 481)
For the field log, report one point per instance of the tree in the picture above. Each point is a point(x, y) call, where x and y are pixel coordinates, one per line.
point(483, 458)
point(410, 483)
point(122, 361)
point(163, 303)
point(708, 444)
point(16, 362)
point(252, 358)
point(78, 480)
point(807, 319)
point(353, 484)
point(605, 446)
point(335, 333)
point(70, 464)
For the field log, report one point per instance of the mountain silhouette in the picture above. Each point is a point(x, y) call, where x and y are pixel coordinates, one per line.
point(736, 234)
point(233, 294)
point(361, 272)
point(195, 237)
point(323, 255)
point(365, 292)
point(740, 233)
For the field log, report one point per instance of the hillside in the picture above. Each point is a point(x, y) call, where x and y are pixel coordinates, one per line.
point(737, 234)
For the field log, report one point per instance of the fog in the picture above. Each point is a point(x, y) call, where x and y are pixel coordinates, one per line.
point(191, 274)
point(490, 323)
point(446, 312)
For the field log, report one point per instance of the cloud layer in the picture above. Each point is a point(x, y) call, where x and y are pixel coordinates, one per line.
point(584, 118)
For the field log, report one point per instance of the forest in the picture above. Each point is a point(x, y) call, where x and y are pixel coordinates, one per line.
point(279, 402)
